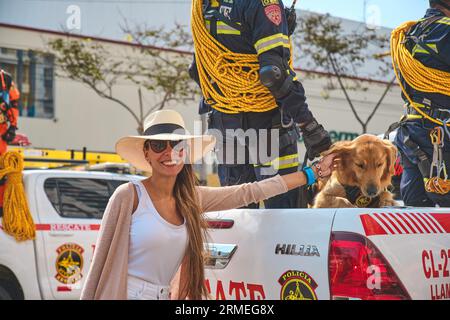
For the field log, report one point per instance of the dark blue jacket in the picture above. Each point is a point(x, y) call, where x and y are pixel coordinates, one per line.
point(436, 36)
point(258, 27)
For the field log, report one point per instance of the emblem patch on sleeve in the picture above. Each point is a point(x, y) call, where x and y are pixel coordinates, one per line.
point(273, 13)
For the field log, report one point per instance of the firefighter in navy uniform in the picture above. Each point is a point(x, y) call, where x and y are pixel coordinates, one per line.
point(9, 114)
point(422, 139)
point(257, 30)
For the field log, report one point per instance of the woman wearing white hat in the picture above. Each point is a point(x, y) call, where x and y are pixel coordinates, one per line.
point(151, 227)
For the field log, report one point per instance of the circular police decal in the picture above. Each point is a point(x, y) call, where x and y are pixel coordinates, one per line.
point(69, 263)
point(297, 285)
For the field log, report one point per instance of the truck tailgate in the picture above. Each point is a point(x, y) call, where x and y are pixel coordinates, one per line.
point(271, 254)
point(414, 242)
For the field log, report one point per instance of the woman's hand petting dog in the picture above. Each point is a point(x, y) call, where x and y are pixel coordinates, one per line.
point(361, 175)
point(324, 167)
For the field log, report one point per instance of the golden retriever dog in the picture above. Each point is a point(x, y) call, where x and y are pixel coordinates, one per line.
point(363, 172)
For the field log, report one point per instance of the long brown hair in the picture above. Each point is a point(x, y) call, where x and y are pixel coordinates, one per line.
point(188, 205)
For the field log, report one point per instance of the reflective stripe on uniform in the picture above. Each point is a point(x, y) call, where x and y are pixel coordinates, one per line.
point(417, 105)
point(223, 28)
point(418, 49)
point(280, 163)
point(268, 43)
point(408, 116)
point(413, 116)
point(445, 20)
point(416, 116)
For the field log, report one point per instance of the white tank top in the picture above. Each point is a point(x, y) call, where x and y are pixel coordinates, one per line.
point(157, 247)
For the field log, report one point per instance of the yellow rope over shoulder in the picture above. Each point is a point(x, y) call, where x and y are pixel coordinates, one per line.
point(17, 220)
point(229, 80)
point(417, 75)
point(423, 79)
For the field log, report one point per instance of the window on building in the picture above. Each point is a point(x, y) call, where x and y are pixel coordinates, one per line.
point(80, 197)
point(33, 73)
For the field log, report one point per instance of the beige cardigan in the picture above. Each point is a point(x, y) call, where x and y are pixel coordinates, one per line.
point(107, 276)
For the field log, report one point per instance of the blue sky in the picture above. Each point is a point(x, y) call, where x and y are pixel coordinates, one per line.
point(102, 17)
point(391, 12)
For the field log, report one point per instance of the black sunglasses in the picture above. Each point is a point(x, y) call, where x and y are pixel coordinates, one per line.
point(159, 146)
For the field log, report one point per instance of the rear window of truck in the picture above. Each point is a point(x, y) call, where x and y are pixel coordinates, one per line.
point(80, 197)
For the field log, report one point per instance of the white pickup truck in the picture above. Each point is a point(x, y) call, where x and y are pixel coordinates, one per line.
point(67, 207)
point(389, 253)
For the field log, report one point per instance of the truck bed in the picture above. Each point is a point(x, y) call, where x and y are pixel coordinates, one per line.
point(307, 254)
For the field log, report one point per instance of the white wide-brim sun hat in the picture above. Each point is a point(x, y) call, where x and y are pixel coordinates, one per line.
point(163, 125)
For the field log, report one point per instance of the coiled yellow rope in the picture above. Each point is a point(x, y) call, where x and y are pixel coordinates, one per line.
point(235, 75)
point(437, 185)
point(423, 79)
point(17, 219)
point(417, 75)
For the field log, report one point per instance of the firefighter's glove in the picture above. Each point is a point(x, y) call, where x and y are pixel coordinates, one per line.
point(316, 138)
point(10, 134)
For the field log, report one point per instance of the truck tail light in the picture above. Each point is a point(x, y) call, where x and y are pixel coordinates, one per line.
point(359, 271)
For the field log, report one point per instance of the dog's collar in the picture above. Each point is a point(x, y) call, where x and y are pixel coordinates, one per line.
point(357, 198)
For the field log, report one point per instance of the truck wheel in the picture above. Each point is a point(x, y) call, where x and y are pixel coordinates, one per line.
point(10, 288)
point(4, 293)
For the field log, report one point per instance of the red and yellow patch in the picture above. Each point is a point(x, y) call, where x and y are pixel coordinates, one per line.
point(273, 13)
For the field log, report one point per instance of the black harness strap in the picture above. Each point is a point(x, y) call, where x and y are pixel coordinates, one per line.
point(392, 128)
point(213, 22)
point(352, 193)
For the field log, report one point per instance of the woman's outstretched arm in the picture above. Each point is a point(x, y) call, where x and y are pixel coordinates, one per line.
point(232, 197)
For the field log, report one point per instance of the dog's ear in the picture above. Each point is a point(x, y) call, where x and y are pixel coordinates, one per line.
point(340, 149)
point(391, 155)
point(343, 152)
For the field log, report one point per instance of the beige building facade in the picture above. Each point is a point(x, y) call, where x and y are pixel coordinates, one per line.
point(64, 114)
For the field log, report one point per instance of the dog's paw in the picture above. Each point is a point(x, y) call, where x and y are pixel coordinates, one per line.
point(388, 203)
point(344, 203)
point(339, 202)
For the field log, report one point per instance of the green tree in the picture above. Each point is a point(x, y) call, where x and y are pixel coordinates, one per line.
point(164, 73)
point(342, 55)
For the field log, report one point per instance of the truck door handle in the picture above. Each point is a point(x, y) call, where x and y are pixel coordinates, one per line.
point(220, 223)
point(219, 255)
point(61, 234)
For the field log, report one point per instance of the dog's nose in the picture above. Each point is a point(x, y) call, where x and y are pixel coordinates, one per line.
point(372, 190)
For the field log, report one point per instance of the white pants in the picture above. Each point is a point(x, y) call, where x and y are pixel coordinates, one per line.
point(139, 289)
